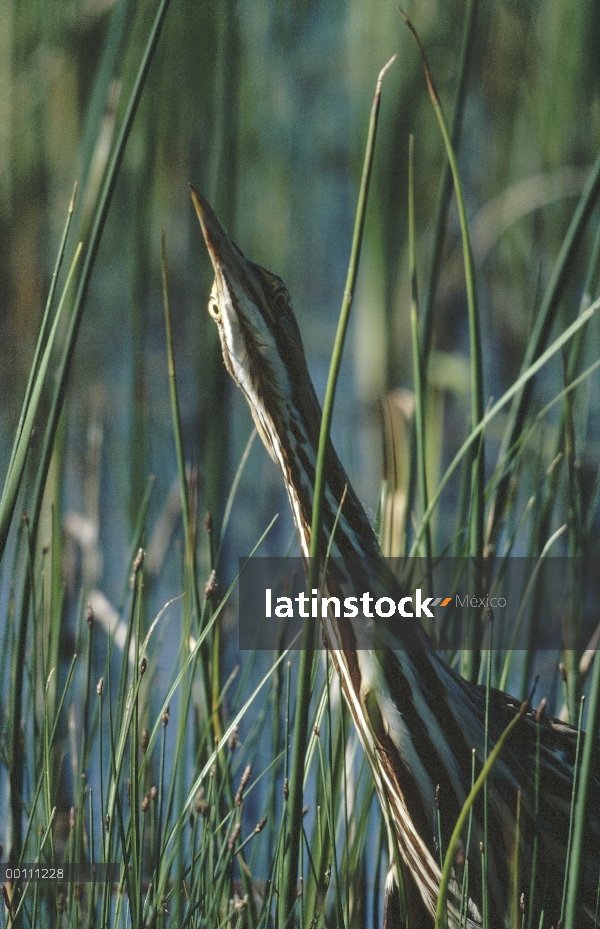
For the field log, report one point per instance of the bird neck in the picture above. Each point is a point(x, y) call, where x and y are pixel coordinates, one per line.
point(340, 508)
point(355, 564)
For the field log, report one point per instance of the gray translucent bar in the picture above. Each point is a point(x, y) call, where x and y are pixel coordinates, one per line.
point(522, 603)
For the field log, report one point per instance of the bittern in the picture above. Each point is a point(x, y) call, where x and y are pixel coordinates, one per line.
point(418, 721)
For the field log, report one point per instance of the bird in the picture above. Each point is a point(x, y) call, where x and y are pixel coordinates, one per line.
point(420, 723)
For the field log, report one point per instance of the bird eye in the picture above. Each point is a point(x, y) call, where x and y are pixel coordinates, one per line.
point(281, 299)
point(214, 309)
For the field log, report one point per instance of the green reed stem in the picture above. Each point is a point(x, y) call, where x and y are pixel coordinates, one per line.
point(188, 529)
point(572, 813)
point(64, 368)
point(440, 916)
point(579, 831)
point(495, 409)
point(42, 339)
point(288, 895)
point(477, 410)
point(418, 371)
point(445, 188)
point(29, 412)
point(541, 329)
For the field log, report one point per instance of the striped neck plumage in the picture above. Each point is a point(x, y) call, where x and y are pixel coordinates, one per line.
point(263, 352)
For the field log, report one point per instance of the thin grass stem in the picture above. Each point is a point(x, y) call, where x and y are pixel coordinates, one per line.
point(441, 915)
point(477, 406)
point(498, 406)
point(418, 370)
point(288, 896)
point(541, 330)
point(579, 829)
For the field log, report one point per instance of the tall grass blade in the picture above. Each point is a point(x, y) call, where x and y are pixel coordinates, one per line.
point(445, 186)
point(543, 324)
point(418, 365)
point(30, 409)
point(440, 916)
point(288, 894)
point(42, 339)
point(101, 213)
point(478, 463)
point(502, 402)
point(588, 759)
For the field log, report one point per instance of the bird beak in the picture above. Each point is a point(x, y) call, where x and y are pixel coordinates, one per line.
point(234, 274)
point(219, 245)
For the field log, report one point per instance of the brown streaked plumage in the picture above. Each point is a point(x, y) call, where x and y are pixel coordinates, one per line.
point(417, 720)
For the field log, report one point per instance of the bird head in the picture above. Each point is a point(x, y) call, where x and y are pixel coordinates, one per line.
point(260, 339)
